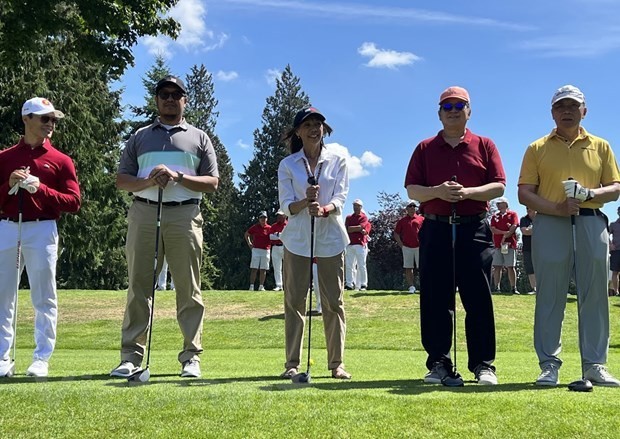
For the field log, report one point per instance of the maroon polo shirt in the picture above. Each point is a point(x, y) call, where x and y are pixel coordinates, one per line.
point(504, 222)
point(260, 236)
point(408, 228)
point(474, 162)
point(358, 238)
point(277, 227)
point(58, 192)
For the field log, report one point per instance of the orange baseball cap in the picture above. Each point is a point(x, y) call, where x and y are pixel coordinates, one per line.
point(454, 92)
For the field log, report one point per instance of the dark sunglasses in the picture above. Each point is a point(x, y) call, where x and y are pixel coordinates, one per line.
point(176, 95)
point(46, 119)
point(449, 106)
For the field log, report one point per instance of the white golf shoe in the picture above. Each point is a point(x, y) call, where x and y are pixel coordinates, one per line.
point(38, 368)
point(124, 370)
point(7, 368)
point(412, 289)
point(599, 376)
point(191, 369)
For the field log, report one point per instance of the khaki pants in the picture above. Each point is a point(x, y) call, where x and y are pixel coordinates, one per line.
point(296, 287)
point(181, 242)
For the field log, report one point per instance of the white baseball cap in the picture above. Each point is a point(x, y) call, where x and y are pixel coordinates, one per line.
point(358, 202)
point(568, 92)
point(40, 106)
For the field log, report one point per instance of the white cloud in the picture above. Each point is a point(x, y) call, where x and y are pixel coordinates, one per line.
point(194, 34)
point(272, 75)
point(595, 42)
point(226, 76)
point(358, 167)
point(241, 144)
point(386, 58)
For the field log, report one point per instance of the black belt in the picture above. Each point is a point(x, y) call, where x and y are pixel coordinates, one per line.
point(30, 220)
point(590, 212)
point(458, 219)
point(276, 245)
point(169, 203)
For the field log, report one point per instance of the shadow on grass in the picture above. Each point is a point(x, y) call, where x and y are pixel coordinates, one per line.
point(189, 382)
point(380, 293)
point(271, 317)
point(403, 387)
point(18, 379)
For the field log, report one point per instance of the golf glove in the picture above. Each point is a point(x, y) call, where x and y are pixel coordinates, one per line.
point(27, 183)
point(573, 189)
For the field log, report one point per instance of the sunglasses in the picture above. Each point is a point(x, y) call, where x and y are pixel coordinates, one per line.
point(176, 95)
point(449, 106)
point(46, 119)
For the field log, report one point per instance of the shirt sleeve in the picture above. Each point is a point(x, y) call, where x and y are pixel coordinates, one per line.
point(67, 197)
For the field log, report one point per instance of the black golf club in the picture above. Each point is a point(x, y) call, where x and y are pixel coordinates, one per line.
point(453, 378)
point(304, 377)
point(582, 385)
point(143, 375)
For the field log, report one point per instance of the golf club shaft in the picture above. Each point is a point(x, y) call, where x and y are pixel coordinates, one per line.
point(20, 208)
point(311, 292)
point(453, 214)
point(160, 196)
point(574, 233)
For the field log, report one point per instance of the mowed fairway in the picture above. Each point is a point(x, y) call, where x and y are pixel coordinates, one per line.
point(241, 396)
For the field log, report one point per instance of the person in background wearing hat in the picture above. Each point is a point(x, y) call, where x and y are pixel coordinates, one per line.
point(358, 228)
point(258, 239)
point(277, 248)
point(526, 224)
point(178, 158)
point(567, 176)
point(504, 225)
point(39, 181)
point(454, 175)
point(313, 182)
point(406, 235)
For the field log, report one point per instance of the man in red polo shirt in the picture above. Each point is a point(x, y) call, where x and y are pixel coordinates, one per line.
point(39, 181)
point(406, 235)
point(358, 228)
point(257, 238)
point(504, 224)
point(277, 249)
point(454, 175)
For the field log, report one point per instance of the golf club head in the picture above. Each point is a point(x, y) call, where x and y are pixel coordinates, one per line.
point(301, 378)
point(582, 385)
point(453, 379)
point(140, 376)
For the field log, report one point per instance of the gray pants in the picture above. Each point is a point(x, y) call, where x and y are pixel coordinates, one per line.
point(552, 252)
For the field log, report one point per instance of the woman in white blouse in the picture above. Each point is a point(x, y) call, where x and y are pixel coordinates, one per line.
point(311, 161)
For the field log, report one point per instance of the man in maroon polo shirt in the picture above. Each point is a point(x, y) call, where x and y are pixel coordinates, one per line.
point(40, 181)
point(406, 235)
point(454, 174)
point(257, 238)
point(504, 224)
point(358, 227)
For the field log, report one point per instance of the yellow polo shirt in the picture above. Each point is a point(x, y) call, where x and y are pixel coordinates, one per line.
point(552, 159)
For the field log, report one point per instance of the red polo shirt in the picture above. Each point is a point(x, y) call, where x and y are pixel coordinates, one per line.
point(58, 190)
point(357, 238)
point(407, 228)
point(475, 162)
point(504, 222)
point(277, 227)
point(260, 236)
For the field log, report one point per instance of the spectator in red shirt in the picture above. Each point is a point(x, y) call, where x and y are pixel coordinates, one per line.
point(504, 224)
point(406, 235)
point(358, 228)
point(257, 238)
point(39, 182)
point(277, 249)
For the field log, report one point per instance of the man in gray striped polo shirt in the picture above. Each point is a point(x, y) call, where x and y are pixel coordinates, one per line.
point(179, 158)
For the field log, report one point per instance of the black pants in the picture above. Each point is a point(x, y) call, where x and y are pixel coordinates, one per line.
point(474, 256)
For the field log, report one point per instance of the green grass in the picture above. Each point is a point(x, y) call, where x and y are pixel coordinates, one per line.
point(240, 395)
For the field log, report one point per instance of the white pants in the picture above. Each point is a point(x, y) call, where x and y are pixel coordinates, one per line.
point(315, 286)
point(162, 280)
point(355, 256)
point(277, 255)
point(39, 254)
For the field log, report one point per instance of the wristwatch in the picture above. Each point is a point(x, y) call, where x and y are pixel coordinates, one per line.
point(180, 177)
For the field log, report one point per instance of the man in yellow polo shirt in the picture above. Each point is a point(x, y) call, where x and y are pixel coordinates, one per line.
point(567, 176)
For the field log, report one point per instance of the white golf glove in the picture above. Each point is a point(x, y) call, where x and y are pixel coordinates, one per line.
point(573, 189)
point(27, 183)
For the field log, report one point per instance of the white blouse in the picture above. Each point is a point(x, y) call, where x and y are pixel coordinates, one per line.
point(330, 234)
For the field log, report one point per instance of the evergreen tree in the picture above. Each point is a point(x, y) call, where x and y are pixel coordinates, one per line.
point(145, 115)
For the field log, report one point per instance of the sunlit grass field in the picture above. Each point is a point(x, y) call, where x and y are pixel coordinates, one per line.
point(240, 395)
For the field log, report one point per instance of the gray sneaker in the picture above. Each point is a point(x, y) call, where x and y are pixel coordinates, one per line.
point(436, 374)
point(485, 376)
point(550, 376)
point(124, 370)
point(599, 376)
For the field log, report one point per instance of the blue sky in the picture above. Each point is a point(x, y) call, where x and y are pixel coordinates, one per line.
point(376, 69)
